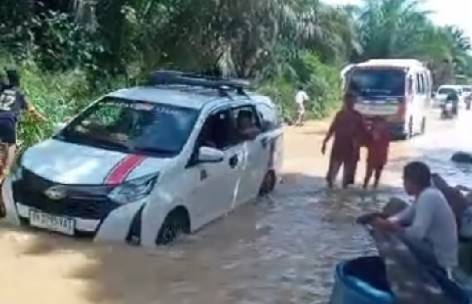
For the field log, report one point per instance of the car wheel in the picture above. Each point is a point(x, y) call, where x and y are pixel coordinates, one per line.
point(268, 183)
point(175, 224)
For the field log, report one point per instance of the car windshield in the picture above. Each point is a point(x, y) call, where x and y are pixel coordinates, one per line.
point(132, 127)
point(447, 91)
point(378, 82)
point(467, 90)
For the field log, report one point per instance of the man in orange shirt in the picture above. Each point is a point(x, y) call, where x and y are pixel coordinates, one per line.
point(348, 131)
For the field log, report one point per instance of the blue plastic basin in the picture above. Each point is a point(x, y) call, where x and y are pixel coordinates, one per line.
point(361, 281)
point(364, 281)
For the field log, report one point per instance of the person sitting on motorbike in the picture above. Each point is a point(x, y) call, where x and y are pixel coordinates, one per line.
point(453, 98)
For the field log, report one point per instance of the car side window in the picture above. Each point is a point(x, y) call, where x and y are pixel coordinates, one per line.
point(217, 132)
point(247, 123)
point(268, 116)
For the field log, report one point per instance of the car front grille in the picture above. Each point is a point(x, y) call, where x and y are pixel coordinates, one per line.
point(30, 191)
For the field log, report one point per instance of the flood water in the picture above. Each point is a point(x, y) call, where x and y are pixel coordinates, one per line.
point(280, 249)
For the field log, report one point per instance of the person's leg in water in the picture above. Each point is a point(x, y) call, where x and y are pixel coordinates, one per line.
point(3, 159)
point(378, 176)
point(8, 141)
point(334, 167)
point(10, 158)
point(349, 171)
point(368, 175)
point(424, 253)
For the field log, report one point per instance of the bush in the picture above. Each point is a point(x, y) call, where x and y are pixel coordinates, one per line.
point(55, 42)
point(322, 83)
point(57, 95)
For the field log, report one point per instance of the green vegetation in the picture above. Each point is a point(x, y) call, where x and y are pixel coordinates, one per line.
point(72, 51)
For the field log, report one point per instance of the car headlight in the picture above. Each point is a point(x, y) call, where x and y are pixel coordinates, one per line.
point(133, 190)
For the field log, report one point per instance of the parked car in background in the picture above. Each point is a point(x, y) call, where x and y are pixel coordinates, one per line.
point(145, 164)
point(467, 96)
point(444, 91)
point(398, 89)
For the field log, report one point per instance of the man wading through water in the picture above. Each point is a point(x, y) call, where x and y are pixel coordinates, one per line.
point(12, 103)
point(348, 130)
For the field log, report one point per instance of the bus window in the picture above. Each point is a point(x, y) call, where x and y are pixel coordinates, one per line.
point(419, 86)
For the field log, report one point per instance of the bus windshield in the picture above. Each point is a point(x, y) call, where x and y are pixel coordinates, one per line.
point(378, 82)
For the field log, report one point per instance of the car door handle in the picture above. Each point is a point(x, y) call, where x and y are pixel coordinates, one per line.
point(203, 174)
point(233, 161)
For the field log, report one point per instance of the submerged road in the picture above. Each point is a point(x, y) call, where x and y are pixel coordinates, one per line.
point(280, 249)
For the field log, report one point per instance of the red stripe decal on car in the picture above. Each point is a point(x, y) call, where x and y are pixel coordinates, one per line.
point(123, 168)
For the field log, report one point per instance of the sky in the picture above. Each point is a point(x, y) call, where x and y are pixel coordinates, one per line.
point(445, 12)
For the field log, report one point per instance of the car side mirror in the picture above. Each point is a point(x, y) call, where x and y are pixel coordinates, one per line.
point(265, 126)
point(210, 155)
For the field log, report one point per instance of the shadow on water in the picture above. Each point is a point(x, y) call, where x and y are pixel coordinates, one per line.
point(280, 249)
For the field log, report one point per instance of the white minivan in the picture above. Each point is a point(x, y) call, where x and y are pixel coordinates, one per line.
point(148, 163)
point(398, 89)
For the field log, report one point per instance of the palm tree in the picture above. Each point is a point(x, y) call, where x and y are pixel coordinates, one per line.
point(403, 29)
point(387, 26)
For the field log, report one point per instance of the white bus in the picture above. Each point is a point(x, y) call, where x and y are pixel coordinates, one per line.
point(398, 89)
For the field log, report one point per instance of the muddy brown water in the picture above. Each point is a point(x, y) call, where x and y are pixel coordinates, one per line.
point(280, 249)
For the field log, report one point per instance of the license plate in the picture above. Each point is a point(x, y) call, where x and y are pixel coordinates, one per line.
point(50, 222)
point(376, 109)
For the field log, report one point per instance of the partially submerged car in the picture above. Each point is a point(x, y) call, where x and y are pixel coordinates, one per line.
point(148, 163)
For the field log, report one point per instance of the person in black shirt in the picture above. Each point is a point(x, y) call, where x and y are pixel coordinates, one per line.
point(12, 103)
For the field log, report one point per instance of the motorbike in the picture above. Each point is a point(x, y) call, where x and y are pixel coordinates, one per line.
point(468, 102)
point(449, 109)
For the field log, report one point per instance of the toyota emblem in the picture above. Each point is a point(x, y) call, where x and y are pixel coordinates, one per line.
point(56, 193)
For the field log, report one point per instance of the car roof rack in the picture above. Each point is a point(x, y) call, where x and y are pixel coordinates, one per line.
point(223, 85)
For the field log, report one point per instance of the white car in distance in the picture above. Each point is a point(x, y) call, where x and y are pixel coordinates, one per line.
point(444, 91)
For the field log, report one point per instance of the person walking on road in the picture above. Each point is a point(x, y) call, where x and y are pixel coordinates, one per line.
point(348, 131)
point(378, 144)
point(300, 100)
point(12, 103)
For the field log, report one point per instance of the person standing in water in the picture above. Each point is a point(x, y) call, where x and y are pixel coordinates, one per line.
point(300, 99)
point(348, 131)
point(378, 145)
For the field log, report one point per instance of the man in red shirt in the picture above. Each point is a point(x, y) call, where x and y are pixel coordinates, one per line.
point(348, 131)
point(378, 146)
